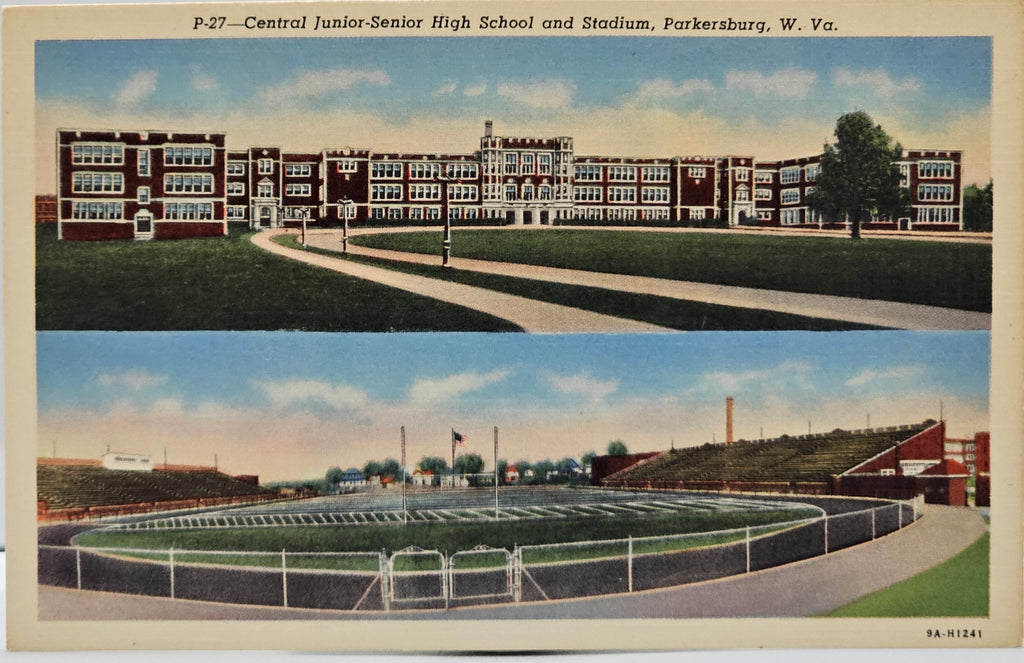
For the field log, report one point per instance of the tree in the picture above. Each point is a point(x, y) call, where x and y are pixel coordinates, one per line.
point(859, 175)
point(978, 208)
point(587, 459)
point(541, 469)
point(372, 468)
point(391, 468)
point(434, 464)
point(469, 464)
point(617, 448)
point(502, 470)
point(334, 475)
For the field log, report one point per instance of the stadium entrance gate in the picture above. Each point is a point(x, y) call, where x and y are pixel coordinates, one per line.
point(415, 575)
point(481, 573)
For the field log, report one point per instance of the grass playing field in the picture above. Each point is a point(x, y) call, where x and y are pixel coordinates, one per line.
point(950, 274)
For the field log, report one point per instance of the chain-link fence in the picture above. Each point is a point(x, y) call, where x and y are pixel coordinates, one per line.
point(417, 578)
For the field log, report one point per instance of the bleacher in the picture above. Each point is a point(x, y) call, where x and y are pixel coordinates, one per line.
point(805, 458)
point(82, 486)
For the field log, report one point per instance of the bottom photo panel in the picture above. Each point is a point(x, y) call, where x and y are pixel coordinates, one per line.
point(285, 476)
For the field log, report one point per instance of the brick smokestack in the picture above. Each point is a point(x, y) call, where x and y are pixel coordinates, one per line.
point(728, 419)
point(488, 128)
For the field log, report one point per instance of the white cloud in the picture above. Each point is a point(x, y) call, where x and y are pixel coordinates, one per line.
point(793, 373)
point(425, 391)
point(663, 88)
point(203, 81)
point(793, 82)
point(446, 88)
point(316, 83)
point(475, 90)
point(869, 375)
point(135, 379)
point(284, 393)
point(877, 80)
point(546, 95)
point(138, 87)
point(584, 385)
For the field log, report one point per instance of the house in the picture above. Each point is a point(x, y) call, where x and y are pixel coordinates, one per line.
point(422, 478)
point(512, 474)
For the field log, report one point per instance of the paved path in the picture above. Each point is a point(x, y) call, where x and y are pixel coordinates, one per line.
point(806, 588)
point(848, 309)
point(532, 315)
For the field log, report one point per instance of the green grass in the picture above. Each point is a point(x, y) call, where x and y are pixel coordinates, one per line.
point(956, 588)
point(448, 538)
point(951, 274)
point(662, 311)
point(220, 283)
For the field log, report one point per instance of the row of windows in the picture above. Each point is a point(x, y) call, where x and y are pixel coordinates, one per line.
point(188, 156)
point(935, 169)
point(195, 183)
point(935, 192)
point(297, 170)
point(93, 182)
point(236, 168)
point(386, 170)
point(620, 214)
point(92, 210)
point(419, 213)
point(789, 196)
point(103, 153)
point(188, 211)
point(298, 189)
point(936, 215)
point(791, 175)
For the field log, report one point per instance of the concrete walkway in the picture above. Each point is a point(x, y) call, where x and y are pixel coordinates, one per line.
point(847, 309)
point(531, 315)
point(807, 588)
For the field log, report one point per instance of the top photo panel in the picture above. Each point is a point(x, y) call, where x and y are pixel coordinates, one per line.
point(544, 185)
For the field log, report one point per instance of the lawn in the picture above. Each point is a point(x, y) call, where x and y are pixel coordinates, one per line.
point(950, 274)
point(955, 588)
point(218, 284)
point(450, 537)
point(662, 311)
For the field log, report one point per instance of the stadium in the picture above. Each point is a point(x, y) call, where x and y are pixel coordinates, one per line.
point(657, 521)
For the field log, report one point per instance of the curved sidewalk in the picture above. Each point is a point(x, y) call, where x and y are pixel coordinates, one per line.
point(811, 587)
point(878, 313)
point(532, 315)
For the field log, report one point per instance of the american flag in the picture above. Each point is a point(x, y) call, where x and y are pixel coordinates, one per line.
point(458, 439)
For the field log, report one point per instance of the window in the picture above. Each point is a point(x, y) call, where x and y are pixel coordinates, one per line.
point(527, 192)
point(587, 194)
point(386, 192)
point(588, 173)
point(621, 194)
point(697, 214)
point(622, 173)
point(97, 182)
point(297, 170)
point(236, 168)
point(935, 169)
point(415, 213)
point(378, 213)
point(188, 183)
point(188, 156)
point(762, 177)
point(424, 171)
point(297, 189)
point(655, 173)
point(654, 194)
point(510, 192)
point(395, 213)
point(936, 215)
point(266, 166)
point(764, 215)
point(143, 195)
point(620, 214)
point(697, 172)
point(462, 171)
point(236, 211)
point(102, 153)
point(790, 217)
point(790, 196)
point(742, 174)
point(348, 166)
point(511, 163)
point(434, 213)
point(942, 192)
point(91, 210)
point(545, 164)
point(527, 165)
point(656, 214)
point(388, 170)
point(265, 190)
point(811, 172)
point(188, 211)
point(144, 162)
point(742, 194)
point(236, 188)
point(762, 193)
point(544, 193)
point(462, 192)
point(789, 175)
point(904, 175)
point(424, 192)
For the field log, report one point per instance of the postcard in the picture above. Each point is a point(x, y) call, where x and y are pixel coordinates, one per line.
point(627, 326)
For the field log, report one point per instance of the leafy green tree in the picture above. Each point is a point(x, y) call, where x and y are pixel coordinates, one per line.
point(502, 469)
point(434, 464)
point(978, 208)
point(541, 469)
point(371, 468)
point(391, 468)
point(617, 448)
point(469, 464)
point(859, 176)
point(588, 459)
point(334, 476)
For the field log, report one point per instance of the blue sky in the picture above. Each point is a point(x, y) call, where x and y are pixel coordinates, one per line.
point(773, 98)
point(288, 405)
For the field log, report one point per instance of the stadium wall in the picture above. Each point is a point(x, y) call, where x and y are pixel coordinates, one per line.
point(603, 467)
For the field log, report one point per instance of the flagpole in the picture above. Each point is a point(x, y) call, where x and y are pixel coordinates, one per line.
point(405, 487)
point(495, 472)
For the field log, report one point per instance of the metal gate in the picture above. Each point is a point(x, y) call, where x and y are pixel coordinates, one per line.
point(417, 575)
point(481, 573)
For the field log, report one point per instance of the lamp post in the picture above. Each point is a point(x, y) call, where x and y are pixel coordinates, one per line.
point(446, 244)
point(345, 205)
point(305, 215)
